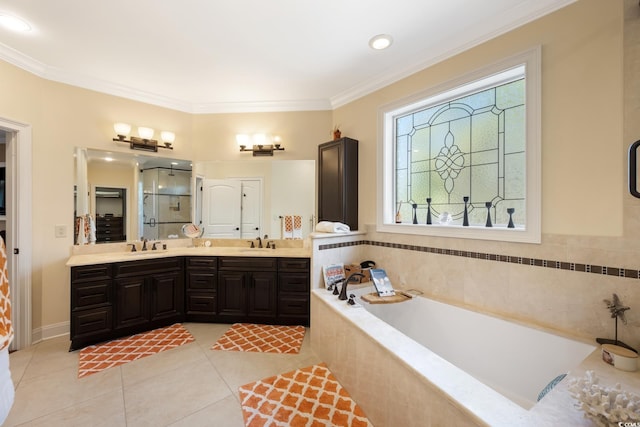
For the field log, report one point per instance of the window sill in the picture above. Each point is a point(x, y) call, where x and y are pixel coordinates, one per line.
point(497, 233)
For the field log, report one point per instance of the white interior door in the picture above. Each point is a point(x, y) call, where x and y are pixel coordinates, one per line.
point(221, 208)
point(251, 209)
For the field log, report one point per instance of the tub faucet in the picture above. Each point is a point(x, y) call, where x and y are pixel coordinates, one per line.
point(343, 291)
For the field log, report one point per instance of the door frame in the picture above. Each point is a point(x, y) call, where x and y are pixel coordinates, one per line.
point(19, 220)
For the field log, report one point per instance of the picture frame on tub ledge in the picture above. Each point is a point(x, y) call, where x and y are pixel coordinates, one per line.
point(332, 273)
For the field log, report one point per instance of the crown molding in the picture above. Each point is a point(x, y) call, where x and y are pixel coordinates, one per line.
point(262, 107)
point(366, 87)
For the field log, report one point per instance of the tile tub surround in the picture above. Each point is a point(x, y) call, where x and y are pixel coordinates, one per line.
point(418, 388)
point(488, 277)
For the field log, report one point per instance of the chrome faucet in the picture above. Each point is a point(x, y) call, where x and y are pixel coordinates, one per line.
point(343, 291)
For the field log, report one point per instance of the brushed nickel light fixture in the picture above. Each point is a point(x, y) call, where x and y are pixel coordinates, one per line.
point(144, 141)
point(258, 143)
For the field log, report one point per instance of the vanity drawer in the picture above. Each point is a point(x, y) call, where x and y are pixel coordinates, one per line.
point(293, 264)
point(90, 294)
point(293, 305)
point(293, 282)
point(201, 303)
point(91, 272)
point(90, 322)
point(201, 280)
point(247, 263)
point(147, 266)
point(202, 262)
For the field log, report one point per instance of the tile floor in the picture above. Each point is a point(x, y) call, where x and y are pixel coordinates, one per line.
point(191, 385)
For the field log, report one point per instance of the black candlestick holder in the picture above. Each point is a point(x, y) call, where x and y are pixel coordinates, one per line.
point(465, 218)
point(488, 205)
point(510, 211)
point(415, 208)
point(428, 210)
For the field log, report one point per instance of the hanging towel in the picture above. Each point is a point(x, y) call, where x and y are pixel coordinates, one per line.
point(81, 237)
point(287, 227)
point(332, 227)
point(297, 226)
point(7, 392)
point(90, 225)
point(85, 230)
point(6, 328)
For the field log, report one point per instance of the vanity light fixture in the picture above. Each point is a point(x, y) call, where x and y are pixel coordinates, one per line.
point(258, 143)
point(144, 141)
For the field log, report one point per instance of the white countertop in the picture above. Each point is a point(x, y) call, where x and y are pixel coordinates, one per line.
point(108, 257)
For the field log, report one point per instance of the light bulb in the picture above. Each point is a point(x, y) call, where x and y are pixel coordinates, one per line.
point(167, 136)
point(145, 133)
point(122, 129)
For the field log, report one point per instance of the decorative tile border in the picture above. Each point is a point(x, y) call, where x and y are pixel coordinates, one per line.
point(536, 262)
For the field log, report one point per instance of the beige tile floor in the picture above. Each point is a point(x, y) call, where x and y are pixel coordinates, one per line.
point(187, 386)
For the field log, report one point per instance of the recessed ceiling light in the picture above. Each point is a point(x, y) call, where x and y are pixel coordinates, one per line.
point(14, 23)
point(381, 41)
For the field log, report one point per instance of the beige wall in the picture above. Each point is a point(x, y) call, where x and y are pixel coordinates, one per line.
point(63, 117)
point(582, 138)
point(581, 115)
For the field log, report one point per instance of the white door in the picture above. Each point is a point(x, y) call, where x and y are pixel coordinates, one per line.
point(251, 208)
point(221, 208)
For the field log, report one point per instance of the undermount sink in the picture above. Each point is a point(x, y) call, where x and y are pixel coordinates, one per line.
point(139, 252)
point(256, 250)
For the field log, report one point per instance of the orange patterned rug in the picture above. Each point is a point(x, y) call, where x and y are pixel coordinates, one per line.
point(305, 397)
point(99, 357)
point(261, 338)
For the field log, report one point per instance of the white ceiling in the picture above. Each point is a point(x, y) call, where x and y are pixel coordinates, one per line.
point(208, 56)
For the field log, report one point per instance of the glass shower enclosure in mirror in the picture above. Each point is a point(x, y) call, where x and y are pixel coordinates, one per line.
point(165, 184)
point(165, 202)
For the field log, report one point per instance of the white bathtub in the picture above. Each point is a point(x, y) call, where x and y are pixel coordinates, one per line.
point(480, 363)
point(515, 360)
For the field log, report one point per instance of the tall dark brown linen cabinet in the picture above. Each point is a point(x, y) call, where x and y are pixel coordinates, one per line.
point(338, 182)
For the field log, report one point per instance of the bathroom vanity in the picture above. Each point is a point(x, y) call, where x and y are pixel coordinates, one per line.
point(115, 295)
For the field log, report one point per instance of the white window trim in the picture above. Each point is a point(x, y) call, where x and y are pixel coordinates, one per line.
point(531, 233)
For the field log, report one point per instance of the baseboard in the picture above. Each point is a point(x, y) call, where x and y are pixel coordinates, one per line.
point(49, 331)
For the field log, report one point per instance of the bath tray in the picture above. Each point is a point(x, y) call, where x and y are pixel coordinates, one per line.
point(374, 298)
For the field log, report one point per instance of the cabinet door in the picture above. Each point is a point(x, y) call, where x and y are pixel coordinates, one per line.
point(262, 294)
point(331, 188)
point(167, 297)
point(132, 307)
point(232, 294)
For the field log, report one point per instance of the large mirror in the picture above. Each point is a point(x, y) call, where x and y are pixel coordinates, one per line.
point(152, 197)
point(255, 197)
point(126, 196)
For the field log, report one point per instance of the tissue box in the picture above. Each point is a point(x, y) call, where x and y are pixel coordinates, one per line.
point(355, 268)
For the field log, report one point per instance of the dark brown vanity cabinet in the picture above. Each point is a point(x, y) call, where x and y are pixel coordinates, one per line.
point(338, 182)
point(148, 293)
point(293, 291)
point(201, 277)
point(91, 304)
point(247, 289)
point(114, 300)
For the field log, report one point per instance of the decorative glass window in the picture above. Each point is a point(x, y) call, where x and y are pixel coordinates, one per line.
point(463, 160)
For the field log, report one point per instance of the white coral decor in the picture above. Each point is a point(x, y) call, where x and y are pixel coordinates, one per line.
point(605, 406)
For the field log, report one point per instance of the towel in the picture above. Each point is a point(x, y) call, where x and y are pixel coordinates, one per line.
point(287, 227)
point(297, 227)
point(332, 227)
point(292, 227)
point(6, 328)
point(6, 336)
point(85, 230)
